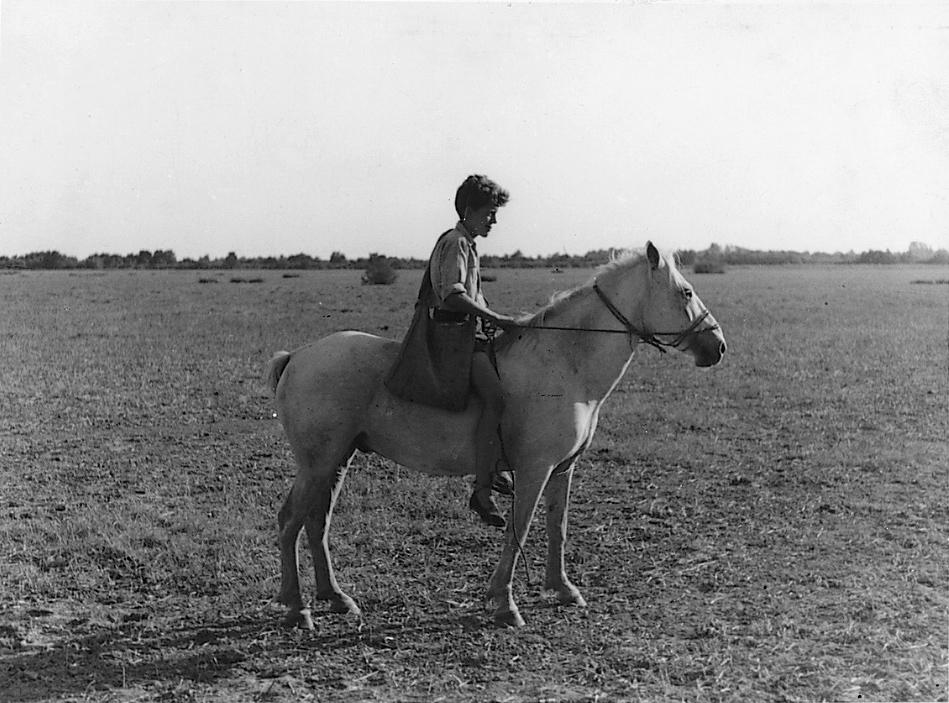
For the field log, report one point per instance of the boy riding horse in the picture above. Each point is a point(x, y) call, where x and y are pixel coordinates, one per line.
point(447, 351)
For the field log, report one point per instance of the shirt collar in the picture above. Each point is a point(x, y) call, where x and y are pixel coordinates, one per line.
point(464, 230)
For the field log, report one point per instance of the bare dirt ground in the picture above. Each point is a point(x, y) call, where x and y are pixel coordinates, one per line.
point(774, 529)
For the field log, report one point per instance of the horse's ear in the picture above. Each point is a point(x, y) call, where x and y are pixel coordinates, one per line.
point(653, 255)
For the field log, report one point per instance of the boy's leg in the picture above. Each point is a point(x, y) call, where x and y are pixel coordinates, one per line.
point(487, 385)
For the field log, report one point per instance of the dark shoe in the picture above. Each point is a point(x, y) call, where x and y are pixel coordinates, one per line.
point(487, 510)
point(502, 482)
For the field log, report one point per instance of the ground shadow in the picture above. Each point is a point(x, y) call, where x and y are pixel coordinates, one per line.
point(137, 655)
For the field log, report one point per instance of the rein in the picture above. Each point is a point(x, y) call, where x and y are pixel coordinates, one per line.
point(651, 338)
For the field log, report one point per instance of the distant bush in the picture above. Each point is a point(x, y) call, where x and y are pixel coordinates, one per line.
point(940, 257)
point(379, 271)
point(708, 267)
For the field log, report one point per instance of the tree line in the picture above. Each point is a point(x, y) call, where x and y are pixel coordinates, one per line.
point(714, 255)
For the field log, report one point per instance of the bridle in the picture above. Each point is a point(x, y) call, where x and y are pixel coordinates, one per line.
point(650, 338)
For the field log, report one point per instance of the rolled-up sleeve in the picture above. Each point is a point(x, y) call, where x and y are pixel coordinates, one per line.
point(450, 267)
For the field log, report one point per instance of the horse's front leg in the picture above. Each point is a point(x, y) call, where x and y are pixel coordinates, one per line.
point(557, 497)
point(526, 496)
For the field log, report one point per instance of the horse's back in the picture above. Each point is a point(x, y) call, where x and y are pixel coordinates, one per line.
point(332, 392)
point(334, 376)
point(349, 347)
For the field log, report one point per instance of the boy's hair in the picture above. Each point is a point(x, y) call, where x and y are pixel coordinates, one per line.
point(478, 191)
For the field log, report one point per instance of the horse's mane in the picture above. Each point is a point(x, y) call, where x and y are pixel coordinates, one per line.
point(618, 260)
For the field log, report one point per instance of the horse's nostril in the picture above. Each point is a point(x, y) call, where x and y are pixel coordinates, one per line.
point(721, 349)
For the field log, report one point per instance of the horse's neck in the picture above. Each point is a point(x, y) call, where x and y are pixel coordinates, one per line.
point(598, 360)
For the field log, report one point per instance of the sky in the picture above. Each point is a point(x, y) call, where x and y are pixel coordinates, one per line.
point(269, 128)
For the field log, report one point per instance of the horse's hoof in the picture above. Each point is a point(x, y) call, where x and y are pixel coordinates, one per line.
point(567, 594)
point(298, 619)
point(576, 600)
point(344, 605)
point(508, 618)
point(572, 598)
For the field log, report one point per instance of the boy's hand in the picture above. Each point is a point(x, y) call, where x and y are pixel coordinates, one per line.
point(506, 322)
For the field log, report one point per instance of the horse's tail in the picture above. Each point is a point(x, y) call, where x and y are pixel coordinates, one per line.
point(275, 369)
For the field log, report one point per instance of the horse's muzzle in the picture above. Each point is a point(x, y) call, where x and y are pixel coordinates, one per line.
point(708, 348)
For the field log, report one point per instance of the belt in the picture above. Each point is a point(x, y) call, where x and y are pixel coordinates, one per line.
point(444, 315)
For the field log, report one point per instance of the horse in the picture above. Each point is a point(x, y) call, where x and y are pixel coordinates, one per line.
point(557, 369)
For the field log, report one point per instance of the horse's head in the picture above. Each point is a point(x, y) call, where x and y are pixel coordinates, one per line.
point(674, 316)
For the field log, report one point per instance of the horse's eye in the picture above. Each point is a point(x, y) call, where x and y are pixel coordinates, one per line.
point(687, 293)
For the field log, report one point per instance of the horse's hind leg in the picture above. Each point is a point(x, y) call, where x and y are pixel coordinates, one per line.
point(317, 526)
point(309, 504)
point(289, 520)
point(557, 497)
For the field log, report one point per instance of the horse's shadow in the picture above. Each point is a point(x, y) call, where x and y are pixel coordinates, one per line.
point(120, 658)
point(131, 656)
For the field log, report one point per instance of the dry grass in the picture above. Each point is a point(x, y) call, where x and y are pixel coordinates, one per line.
point(771, 530)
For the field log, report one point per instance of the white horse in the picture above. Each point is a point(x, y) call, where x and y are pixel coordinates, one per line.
point(556, 372)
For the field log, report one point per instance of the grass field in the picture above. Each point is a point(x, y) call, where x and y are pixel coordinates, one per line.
point(772, 529)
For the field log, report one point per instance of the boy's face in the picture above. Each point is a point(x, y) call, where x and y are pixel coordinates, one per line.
point(480, 221)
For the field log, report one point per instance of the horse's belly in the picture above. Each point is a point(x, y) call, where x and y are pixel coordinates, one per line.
point(425, 439)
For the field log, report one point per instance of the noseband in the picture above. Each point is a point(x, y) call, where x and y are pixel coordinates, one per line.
point(652, 338)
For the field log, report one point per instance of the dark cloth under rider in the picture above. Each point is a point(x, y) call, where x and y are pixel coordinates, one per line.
point(434, 362)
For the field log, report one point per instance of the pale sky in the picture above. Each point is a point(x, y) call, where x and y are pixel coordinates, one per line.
point(278, 128)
